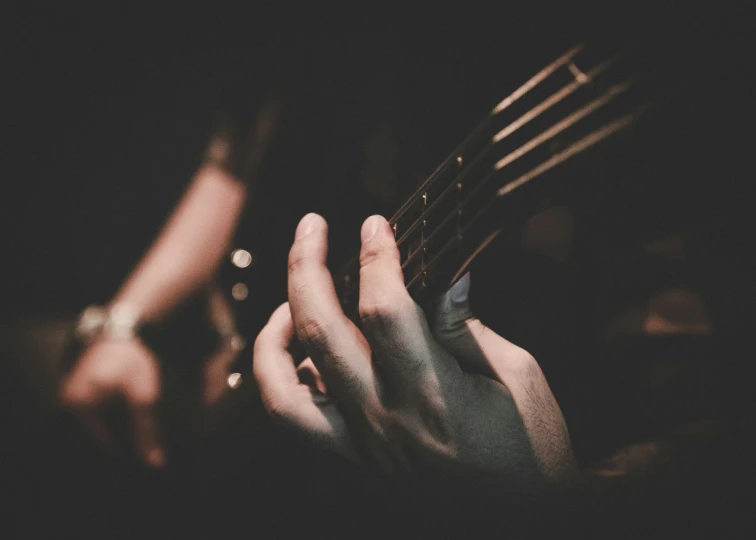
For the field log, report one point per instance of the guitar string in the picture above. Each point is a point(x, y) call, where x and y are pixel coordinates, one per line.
point(550, 133)
point(576, 148)
point(554, 130)
point(505, 103)
point(532, 114)
point(528, 116)
point(564, 60)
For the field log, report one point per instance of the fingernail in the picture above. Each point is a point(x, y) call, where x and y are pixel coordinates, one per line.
point(156, 458)
point(460, 292)
point(306, 225)
point(370, 227)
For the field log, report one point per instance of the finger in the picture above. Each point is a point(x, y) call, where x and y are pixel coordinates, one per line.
point(393, 323)
point(273, 364)
point(146, 434)
point(335, 345)
point(95, 426)
point(479, 349)
point(297, 406)
point(84, 402)
point(475, 347)
point(450, 312)
point(309, 375)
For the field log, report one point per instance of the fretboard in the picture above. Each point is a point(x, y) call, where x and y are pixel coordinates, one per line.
point(574, 104)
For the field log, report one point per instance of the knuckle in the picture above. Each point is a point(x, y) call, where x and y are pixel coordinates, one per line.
point(144, 397)
point(313, 334)
point(278, 408)
point(299, 257)
point(376, 251)
point(296, 263)
point(524, 365)
point(83, 394)
point(385, 310)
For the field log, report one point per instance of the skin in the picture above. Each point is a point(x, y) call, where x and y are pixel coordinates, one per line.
point(410, 394)
point(181, 261)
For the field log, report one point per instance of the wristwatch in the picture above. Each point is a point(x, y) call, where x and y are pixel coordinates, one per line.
point(119, 321)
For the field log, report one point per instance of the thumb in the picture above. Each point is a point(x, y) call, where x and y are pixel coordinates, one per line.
point(458, 331)
point(477, 348)
point(450, 313)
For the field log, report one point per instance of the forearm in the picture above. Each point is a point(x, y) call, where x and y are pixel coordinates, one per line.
point(189, 248)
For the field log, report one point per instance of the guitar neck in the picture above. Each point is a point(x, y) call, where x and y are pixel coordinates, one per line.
point(573, 105)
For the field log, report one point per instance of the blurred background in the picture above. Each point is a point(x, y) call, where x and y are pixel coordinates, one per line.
point(633, 290)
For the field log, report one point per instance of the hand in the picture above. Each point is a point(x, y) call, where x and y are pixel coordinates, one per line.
point(117, 368)
point(447, 397)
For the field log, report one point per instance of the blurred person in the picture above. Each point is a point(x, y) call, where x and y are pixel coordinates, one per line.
point(114, 361)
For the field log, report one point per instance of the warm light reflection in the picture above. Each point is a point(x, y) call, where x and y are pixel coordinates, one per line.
point(537, 79)
point(239, 291)
point(241, 258)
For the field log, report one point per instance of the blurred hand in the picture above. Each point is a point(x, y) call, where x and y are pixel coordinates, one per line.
point(117, 368)
point(446, 396)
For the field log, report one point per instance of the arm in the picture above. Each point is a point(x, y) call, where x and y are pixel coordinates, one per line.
point(189, 248)
point(182, 260)
point(197, 235)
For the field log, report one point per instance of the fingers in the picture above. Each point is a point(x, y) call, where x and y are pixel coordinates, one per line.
point(145, 432)
point(309, 375)
point(85, 405)
point(109, 370)
point(273, 365)
point(335, 345)
point(393, 323)
point(293, 404)
point(87, 400)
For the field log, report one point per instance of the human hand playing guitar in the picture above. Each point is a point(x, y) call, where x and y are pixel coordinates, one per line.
point(444, 395)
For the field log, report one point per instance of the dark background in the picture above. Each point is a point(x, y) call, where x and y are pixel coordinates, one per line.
point(108, 110)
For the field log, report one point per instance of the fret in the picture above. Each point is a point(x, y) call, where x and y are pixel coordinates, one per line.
point(534, 81)
point(555, 98)
point(580, 77)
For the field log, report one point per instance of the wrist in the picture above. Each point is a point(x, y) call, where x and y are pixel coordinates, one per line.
point(115, 321)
